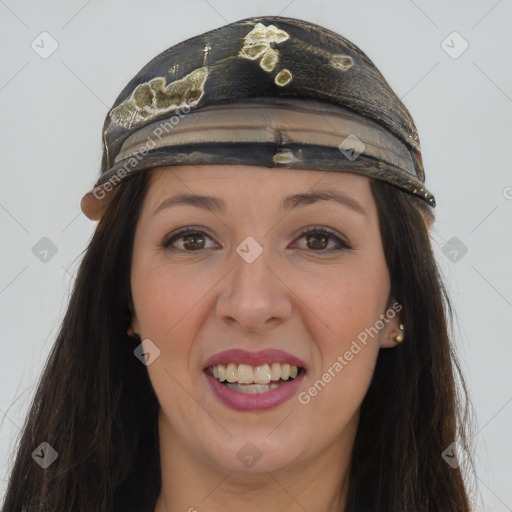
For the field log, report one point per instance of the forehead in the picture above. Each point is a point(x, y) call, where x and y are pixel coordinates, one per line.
point(259, 192)
point(252, 181)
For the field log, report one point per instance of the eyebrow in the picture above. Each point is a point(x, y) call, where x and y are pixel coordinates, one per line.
point(217, 205)
point(306, 198)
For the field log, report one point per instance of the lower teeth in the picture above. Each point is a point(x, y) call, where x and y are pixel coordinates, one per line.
point(253, 389)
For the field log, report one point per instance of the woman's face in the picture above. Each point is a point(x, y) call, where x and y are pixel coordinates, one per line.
point(278, 272)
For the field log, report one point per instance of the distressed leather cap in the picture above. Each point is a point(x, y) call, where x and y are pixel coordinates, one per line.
point(270, 91)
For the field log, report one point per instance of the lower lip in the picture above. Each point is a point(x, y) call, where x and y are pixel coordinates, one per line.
point(257, 402)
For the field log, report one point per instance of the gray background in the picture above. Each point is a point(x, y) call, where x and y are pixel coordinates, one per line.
point(52, 111)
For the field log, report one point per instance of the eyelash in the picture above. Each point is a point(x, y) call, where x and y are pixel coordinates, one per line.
point(342, 245)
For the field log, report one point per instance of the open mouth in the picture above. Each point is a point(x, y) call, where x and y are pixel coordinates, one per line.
point(252, 380)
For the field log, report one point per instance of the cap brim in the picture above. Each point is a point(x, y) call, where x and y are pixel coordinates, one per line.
point(280, 133)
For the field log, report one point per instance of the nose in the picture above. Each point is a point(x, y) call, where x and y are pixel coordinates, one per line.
point(254, 299)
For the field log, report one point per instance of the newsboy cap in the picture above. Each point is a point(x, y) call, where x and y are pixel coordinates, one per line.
point(269, 91)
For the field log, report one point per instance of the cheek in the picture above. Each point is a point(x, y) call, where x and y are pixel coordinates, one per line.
point(171, 305)
point(163, 294)
point(346, 302)
point(348, 307)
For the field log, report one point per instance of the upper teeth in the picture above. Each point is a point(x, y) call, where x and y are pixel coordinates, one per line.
point(247, 374)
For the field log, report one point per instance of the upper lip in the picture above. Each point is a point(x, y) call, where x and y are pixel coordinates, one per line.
point(240, 356)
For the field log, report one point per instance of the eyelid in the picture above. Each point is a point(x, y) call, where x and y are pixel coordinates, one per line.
point(180, 233)
point(341, 241)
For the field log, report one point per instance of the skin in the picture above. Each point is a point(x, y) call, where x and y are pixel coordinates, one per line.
point(305, 299)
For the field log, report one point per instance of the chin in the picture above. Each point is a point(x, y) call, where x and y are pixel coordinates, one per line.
point(256, 452)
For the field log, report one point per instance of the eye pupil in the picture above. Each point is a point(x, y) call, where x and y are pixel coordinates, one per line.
point(316, 245)
point(190, 241)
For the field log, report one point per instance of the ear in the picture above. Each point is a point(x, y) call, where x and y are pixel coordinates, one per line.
point(133, 329)
point(392, 324)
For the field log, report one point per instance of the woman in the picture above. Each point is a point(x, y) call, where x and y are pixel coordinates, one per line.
point(258, 320)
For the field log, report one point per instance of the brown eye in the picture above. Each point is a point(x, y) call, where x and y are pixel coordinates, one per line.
point(186, 241)
point(321, 240)
point(193, 242)
point(317, 240)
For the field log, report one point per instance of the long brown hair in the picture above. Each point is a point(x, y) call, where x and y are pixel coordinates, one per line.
point(417, 404)
point(96, 407)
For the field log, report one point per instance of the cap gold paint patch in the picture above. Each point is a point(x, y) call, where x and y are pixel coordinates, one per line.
point(153, 98)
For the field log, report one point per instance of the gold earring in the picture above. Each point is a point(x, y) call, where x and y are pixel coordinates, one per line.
point(400, 337)
point(131, 333)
